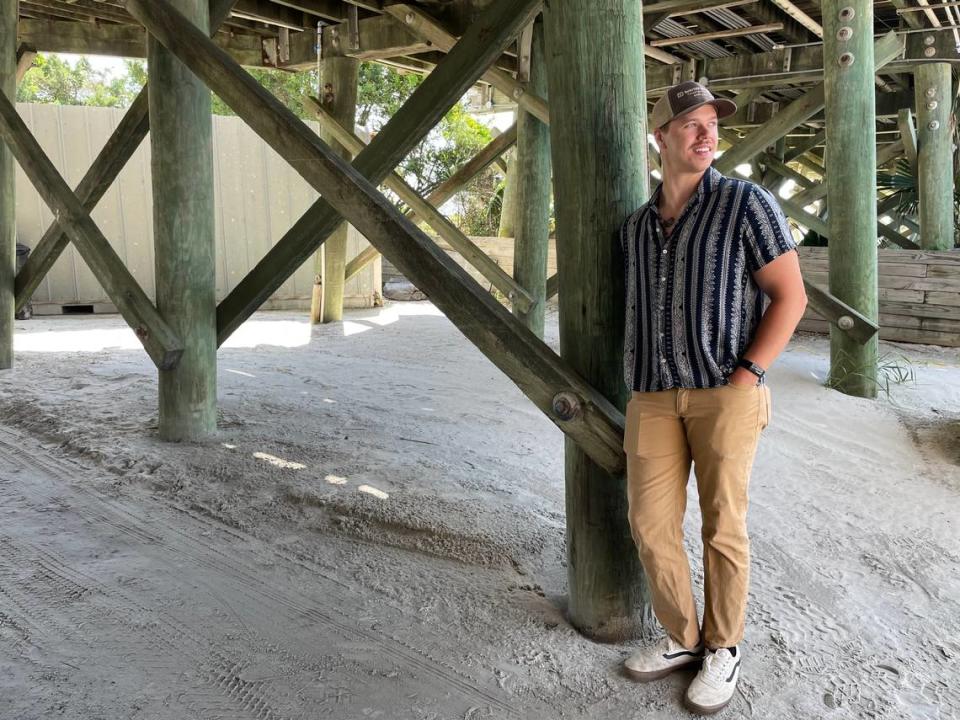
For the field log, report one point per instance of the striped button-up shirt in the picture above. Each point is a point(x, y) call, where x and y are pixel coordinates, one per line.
point(692, 304)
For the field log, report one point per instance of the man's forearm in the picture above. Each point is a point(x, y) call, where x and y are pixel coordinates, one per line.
point(776, 328)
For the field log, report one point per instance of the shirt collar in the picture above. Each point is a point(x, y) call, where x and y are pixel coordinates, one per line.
point(708, 183)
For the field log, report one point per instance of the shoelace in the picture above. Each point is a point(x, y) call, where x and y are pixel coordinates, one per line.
point(716, 666)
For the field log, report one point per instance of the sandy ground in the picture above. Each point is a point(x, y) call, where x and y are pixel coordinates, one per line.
point(378, 533)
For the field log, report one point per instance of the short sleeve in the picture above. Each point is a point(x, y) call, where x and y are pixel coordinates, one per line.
point(766, 233)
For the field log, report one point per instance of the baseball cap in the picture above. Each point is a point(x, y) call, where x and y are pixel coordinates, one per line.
point(684, 97)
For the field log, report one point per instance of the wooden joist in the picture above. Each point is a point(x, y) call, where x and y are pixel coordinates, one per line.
point(433, 217)
point(480, 46)
point(160, 341)
point(801, 109)
point(584, 415)
point(425, 26)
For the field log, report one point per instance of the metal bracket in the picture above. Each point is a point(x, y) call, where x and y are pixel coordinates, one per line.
point(787, 59)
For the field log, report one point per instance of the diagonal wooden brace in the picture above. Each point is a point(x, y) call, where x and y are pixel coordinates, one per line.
point(479, 47)
point(433, 217)
point(585, 415)
point(114, 155)
point(803, 108)
point(160, 341)
point(429, 29)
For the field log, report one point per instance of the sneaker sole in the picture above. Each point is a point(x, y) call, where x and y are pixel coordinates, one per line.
point(704, 709)
point(657, 674)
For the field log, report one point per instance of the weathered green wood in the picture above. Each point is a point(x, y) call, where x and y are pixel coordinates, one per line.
point(181, 139)
point(845, 318)
point(819, 190)
point(908, 135)
point(805, 146)
point(159, 339)
point(478, 48)
point(851, 156)
point(25, 57)
point(430, 215)
point(338, 83)
point(128, 41)
point(363, 258)
point(8, 199)
point(932, 83)
point(473, 167)
point(552, 385)
point(801, 109)
point(381, 37)
point(422, 24)
point(508, 207)
point(112, 158)
point(598, 141)
point(533, 195)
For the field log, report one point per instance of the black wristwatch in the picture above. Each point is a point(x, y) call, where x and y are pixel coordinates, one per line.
point(752, 367)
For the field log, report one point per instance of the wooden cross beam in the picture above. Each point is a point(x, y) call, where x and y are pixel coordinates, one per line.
point(853, 323)
point(160, 341)
point(113, 157)
point(25, 57)
point(800, 110)
point(587, 417)
point(433, 217)
point(428, 28)
point(479, 47)
point(448, 188)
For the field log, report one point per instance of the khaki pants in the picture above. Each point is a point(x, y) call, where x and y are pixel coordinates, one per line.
point(716, 429)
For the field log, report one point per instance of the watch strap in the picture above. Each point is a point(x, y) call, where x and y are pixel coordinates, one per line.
point(752, 367)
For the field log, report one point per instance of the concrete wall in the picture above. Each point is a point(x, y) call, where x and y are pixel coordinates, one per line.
point(258, 198)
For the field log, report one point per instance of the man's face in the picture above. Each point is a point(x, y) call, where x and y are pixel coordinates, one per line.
point(689, 142)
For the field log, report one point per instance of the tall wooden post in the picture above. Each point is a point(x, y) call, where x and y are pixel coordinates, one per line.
point(8, 223)
point(183, 221)
point(338, 85)
point(598, 137)
point(532, 227)
point(932, 83)
point(851, 159)
point(508, 208)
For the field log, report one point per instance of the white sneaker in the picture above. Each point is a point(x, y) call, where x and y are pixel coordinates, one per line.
point(714, 685)
point(653, 663)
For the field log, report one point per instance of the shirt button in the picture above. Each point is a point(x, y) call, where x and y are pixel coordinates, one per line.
point(664, 251)
point(663, 278)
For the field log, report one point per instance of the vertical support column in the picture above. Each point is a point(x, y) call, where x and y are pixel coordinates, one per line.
point(533, 195)
point(598, 137)
point(183, 221)
point(851, 159)
point(508, 208)
point(8, 222)
point(338, 78)
point(932, 83)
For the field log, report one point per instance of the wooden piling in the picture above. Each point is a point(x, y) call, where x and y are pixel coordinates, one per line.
point(8, 225)
point(851, 157)
point(932, 83)
point(532, 209)
point(183, 220)
point(598, 140)
point(338, 87)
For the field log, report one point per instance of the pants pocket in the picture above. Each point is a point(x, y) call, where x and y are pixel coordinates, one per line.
point(766, 407)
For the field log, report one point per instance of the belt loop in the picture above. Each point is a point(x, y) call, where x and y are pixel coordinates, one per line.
point(681, 398)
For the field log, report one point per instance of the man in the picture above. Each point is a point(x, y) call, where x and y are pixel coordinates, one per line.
point(701, 255)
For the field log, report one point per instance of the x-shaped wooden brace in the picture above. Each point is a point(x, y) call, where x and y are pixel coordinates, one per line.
point(158, 339)
point(569, 401)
